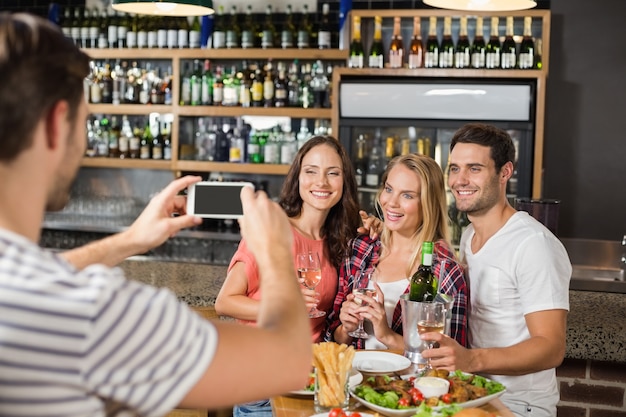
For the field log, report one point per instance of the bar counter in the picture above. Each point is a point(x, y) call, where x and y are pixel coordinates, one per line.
point(596, 322)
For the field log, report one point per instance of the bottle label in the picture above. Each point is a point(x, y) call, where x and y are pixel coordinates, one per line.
point(431, 59)
point(152, 39)
point(303, 39)
point(508, 60)
point(356, 61)
point(234, 154)
point(478, 59)
point(446, 59)
point(375, 61)
point(525, 60)
point(323, 39)
point(194, 39)
point(131, 39)
point(371, 180)
point(157, 152)
point(267, 40)
point(231, 39)
point(395, 59)
point(112, 35)
point(286, 39)
point(219, 40)
point(172, 38)
point(218, 95)
point(270, 153)
point(183, 38)
point(162, 38)
point(415, 61)
point(247, 39)
point(142, 39)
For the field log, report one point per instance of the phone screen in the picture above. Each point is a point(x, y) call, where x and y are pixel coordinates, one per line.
point(220, 201)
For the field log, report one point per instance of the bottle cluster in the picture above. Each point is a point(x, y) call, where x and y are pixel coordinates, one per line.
point(251, 84)
point(107, 28)
point(121, 83)
point(493, 52)
point(136, 137)
point(233, 140)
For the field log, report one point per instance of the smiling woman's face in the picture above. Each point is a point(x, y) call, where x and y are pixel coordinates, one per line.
point(400, 201)
point(321, 178)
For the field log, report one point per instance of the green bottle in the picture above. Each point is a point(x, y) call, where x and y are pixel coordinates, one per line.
point(423, 282)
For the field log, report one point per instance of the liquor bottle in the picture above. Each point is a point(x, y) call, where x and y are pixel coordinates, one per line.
point(245, 96)
point(396, 47)
point(268, 33)
point(106, 85)
point(356, 46)
point(416, 49)
point(219, 31)
point(161, 33)
point(236, 150)
point(157, 139)
point(114, 138)
point(123, 142)
point(360, 164)
point(423, 287)
point(509, 53)
point(376, 163)
point(375, 57)
point(131, 32)
point(153, 31)
point(320, 86)
point(280, 88)
point(195, 84)
point(305, 29)
point(231, 88)
point(145, 143)
point(134, 143)
point(206, 91)
point(194, 33)
point(94, 27)
point(431, 55)
point(183, 32)
point(85, 22)
point(527, 47)
point(256, 89)
point(172, 33)
point(390, 149)
point(75, 27)
point(185, 86)
point(537, 63)
point(323, 34)
point(462, 50)
point(303, 134)
point(478, 46)
point(493, 49)
point(233, 32)
point(253, 149)
point(248, 30)
point(288, 34)
point(142, 31)
point(268, 86)
point(218, 87)
point(66, 23)
point(446, 50)
point(293, 85)
point(166, 135)
point(112, 29)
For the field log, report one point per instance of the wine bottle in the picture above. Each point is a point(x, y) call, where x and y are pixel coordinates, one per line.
point(287, 35)
point(423, 287)
point(431, 55)
point(478, 46)
point(462, 50)
point(446, 49)
point(375, 58)
point(195, 84)
point(493, 50)
point(268, 34)
point(233, 32)
point(323, 34)
point(527, 46)
point(416, 50)
point(509, 53)
point(194, 33)
point(206, 90)
point(360, 164)
point(142, 31)
point(376, 163)
point(145, 143)
point(248, 31)
point(219, 32)
point(356, 46)
point(396, 47)
point(304, 29)
point(537, 62)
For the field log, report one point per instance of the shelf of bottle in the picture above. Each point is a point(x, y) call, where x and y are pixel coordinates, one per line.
point(233, 53)
point(234, 111)
point(99, 162)
point(442, 72)
point(206, 166)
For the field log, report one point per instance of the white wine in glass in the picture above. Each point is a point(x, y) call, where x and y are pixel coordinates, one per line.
point(431, 318)
point(362, 286)
point(310, 274)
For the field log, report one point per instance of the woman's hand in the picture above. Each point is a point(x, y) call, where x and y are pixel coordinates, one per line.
point(372, 225)
point(348, 315)
point(311, 297)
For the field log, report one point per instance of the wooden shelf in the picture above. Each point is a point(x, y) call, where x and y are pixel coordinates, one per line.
point(205, 166)
point(234, 53)
point(130, 109)
point(226, 111)
point(127, 163)
point(441, 72)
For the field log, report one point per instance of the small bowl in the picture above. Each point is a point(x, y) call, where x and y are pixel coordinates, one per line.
point(431, 386)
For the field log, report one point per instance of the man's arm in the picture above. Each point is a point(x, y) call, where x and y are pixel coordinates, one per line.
point(274, 357)
point(153, 227)
point(544, 349)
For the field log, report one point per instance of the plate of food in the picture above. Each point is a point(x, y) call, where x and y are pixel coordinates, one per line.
point(338, 412)
point(395, 396)
point(355, 379)
point(370, 361)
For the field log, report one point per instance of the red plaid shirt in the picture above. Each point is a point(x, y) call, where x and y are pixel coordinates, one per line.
point(365, 256)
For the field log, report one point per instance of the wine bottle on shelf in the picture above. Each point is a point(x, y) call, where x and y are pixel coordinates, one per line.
point(423, 287)
point(527, 46)
point(287, 35)
point(161, 33)
point(509, 54)
point(376, 163)
point(376, 57)
point(493, 50)
point(66, 23)
point(396, 47)
point(94, 28)
point(537, 62)
point(153, 31)
point(416, 49)
point(219, 30)
point(478, 46)
point(462, 50)
point(431, 55)
point(142, 31)
point(84, 29)
point(268, 34)
point(233, 32)
point(360, 164)
point(356, 46)
point(194, 33)
point(390, 149)
point(145, 143)
point(323, 34)
point(446, 49)
point(305, 29)
point(206, 89)
point(248, 30)
point(195, 84)
point(112, 29)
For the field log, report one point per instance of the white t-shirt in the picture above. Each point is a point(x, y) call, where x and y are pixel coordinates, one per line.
point(90, 342)
point(521, 269)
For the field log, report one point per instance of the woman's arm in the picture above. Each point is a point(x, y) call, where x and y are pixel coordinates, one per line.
point(232, 300)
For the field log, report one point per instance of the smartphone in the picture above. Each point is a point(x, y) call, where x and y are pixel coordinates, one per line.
point(216, 199)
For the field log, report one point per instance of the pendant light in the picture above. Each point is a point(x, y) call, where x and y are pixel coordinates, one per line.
point(165, 8)
point(483, 5)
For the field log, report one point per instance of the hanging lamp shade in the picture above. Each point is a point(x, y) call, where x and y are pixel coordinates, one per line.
point(483, 5)
point(165, 8)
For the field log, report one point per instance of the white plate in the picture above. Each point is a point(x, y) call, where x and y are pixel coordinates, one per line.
point(347, 412)
point(355, 379)
point(379, 362)
point(407, 412)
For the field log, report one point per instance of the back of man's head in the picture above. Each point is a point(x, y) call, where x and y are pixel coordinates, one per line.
point(38, 68)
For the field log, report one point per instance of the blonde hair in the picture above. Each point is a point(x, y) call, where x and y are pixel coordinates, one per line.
point(432, 198)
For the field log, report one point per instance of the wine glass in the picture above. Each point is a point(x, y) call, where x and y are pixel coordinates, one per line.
point(431, 317)
point(362, 285)
point(310, 274)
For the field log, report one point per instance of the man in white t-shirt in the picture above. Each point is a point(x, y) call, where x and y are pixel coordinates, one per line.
point(519, 276)
point(76, 337)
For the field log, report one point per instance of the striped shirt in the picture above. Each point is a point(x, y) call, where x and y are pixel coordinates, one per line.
point(365, 256)
point(90, 342)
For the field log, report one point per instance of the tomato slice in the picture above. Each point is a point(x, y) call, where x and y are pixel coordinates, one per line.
point(336, 412)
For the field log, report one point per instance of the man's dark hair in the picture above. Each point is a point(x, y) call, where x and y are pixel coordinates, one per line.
point(498, 140)
point(38, 68)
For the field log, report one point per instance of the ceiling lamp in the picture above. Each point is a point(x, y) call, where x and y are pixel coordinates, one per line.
point(165, 8)
point(483, 5)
